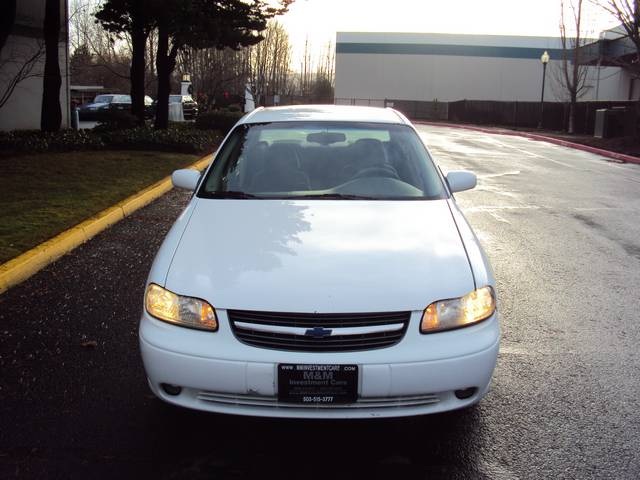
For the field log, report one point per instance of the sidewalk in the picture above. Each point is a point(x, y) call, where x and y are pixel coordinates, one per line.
point(556, 138)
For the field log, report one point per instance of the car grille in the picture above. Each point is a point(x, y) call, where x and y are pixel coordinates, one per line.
point(321, 332)
point(367, 402)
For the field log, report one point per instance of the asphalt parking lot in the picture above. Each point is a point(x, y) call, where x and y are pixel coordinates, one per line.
point(561, 229)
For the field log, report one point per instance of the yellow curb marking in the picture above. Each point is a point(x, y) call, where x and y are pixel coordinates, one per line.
point(23, 266)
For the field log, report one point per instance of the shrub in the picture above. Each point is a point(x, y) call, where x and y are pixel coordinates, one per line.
point(116, 120)
point(218, 120)
point(182, 138)
point(28, 141)
point(173, 139)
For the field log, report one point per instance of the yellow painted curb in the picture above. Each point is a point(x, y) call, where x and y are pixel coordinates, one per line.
point(23, 266)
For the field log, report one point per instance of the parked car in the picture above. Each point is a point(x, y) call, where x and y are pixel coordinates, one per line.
point(102, 104)
point(189, 105)
point(322, 269)
point(105, 103)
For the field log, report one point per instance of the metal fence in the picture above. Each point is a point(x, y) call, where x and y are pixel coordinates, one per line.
point(528, 114)
point(275, 100)
point(361, 102)
point(486, 112)
point(411, 108)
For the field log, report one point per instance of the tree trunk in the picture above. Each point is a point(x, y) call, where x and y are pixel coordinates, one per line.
point(138, 44)
point(572, 114)
point(164, 86)
point(165, 65)
point(51, 116)
point(6, 21)
point(636, 123)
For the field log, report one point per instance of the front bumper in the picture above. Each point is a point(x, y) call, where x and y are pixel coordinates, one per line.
point(190, 114)
point(91, 114)
point(419, 375)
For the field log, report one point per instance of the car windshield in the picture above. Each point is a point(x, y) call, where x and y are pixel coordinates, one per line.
point(103, 99)
point(323, 160)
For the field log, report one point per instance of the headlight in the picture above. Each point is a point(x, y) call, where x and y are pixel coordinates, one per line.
point(179, 310)
point(459, 312)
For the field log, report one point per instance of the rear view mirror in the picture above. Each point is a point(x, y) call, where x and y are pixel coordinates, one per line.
point(326, 138)
point(185, 178)
point(460, 180)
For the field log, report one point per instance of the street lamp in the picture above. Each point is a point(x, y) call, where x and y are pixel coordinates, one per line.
point(544, 59)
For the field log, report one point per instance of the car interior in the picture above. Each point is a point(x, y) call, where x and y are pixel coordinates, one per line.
point(325, 162)
point(282, 167)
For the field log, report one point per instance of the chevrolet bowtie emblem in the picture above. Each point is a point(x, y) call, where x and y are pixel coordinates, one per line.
point(318, 332)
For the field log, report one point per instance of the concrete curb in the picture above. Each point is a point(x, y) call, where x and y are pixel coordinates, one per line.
point(23, 266)
point(578, 146)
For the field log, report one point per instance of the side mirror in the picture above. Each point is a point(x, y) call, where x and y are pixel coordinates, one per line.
point(460, 180)
point(185, 178)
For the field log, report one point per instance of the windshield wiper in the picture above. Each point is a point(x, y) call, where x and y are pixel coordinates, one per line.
point(334, 196)
point(230, 194)
point(324, 196)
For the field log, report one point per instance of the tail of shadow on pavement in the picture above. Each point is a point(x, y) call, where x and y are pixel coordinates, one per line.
point(196, 445)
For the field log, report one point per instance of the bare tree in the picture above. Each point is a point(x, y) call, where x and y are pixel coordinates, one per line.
point(573, 76)
point(269, 63)
point(82, 25)
point(215, 71)
point(17, 62)
point(326, 63)
point(97, 56)
point(628, 14)
point(150, 65)
point(322, 90)
point(17, 66)
point(265, 66)
point(306, 71)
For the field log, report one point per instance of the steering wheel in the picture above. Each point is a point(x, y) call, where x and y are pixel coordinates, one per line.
point(377, 172)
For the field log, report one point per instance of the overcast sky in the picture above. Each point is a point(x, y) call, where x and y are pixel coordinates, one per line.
point(319, 20)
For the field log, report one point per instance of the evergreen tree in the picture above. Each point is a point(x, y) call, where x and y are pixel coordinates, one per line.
point(180, 24)
point(135, 18)
point(206, 24)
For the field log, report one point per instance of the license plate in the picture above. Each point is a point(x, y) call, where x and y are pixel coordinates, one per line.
point(317, 384)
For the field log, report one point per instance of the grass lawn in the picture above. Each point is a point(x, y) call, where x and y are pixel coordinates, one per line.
point(44, 194)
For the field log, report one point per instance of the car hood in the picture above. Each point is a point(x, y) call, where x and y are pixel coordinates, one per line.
point(320, 256)
point(94, 105)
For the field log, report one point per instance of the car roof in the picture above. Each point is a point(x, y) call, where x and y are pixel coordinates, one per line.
point(323, 113)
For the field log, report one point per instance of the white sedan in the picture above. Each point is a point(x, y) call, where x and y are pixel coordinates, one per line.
point(322, 269)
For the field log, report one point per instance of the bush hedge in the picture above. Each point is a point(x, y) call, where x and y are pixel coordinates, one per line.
point(27, 141)
point(174, 139)
point(218, 120)
point(116, 121)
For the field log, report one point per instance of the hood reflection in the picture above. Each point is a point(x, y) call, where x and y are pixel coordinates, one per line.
point(320, 255)
point(245, 236)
